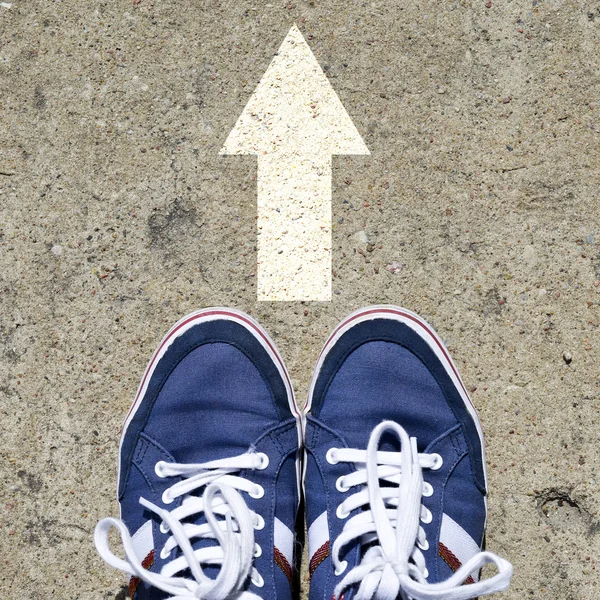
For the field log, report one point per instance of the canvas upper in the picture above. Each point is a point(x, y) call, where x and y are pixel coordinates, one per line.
point(386, 364)
point(215, 389)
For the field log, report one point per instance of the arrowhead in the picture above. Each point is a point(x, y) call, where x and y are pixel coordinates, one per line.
point(294, 108)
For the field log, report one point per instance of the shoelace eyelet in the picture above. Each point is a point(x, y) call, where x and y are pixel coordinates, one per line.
point(427, 490)
point(163, 529)
point(260, 523)
point(164, 555)
point(158, 469)
point(343, 566)
point(340, 514)
point(424, 546)
point(264, 461)
point(439, 461)
point(260, 492)
point(257, 551)
point(340, 486)
point(330, 456)
point(166, 498)
point(428, 517)
point(260, 582)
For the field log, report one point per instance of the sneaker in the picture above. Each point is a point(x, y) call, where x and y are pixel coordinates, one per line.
point(209, 467)
point(395, 477)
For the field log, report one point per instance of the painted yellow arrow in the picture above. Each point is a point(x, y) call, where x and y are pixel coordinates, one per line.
point(294, 122)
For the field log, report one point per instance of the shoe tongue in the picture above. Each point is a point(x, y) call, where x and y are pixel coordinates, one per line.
point(389, 442)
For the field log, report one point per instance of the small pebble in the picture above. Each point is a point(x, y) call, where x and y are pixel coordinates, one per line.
point(394, 267)
point(362, 236)
point(56, 250)
point(567, 357)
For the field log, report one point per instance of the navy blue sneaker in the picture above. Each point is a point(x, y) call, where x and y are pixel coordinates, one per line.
point(209, 467)
point(395, 477)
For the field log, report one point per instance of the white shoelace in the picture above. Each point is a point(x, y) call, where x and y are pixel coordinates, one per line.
point(234, 533)
point(395, 567)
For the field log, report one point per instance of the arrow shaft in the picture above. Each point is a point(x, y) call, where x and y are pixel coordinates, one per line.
point(294, 227)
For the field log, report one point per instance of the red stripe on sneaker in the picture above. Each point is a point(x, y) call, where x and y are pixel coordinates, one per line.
point(283, 564)
point(318, 557)
point(451, 560)
point(134, 582)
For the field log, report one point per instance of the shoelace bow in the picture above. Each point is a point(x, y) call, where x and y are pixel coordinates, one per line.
point(395, 567)
point(234, 533)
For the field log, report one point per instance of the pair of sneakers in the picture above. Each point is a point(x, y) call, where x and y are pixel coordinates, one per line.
point(388, 455)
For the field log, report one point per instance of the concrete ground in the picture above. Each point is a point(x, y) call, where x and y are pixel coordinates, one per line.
point(478, 208)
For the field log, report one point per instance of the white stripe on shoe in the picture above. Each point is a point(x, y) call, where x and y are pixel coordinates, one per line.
point(142, 541)
point(456, 546)
point(143, 548)
point(283, 553)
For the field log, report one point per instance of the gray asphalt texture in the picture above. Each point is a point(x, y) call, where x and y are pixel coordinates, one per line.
point(478, 208)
